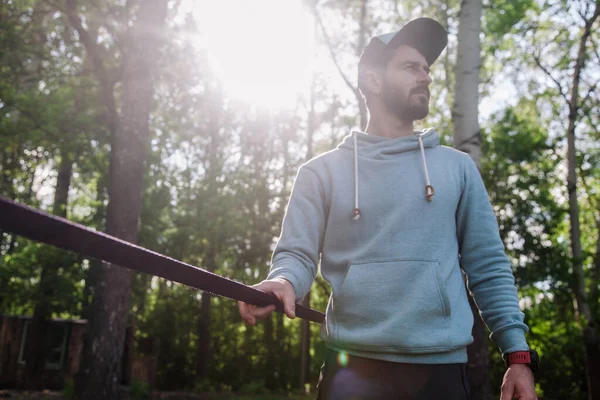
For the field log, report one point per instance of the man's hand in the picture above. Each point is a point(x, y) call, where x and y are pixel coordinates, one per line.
point(518, 383)
point(282, 289)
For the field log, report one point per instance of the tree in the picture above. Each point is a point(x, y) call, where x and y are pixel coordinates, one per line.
point(586, 296)
point(467, 138)
point(212, 222)
point(467, 134)
point(360, 44)
point(50, 260)
point(589, 322)
point(100, 370)
point(218, 173)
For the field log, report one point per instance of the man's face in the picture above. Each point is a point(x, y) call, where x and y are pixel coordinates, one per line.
point(405, 90)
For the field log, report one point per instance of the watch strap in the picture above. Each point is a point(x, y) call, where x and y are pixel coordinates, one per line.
point(517, 357)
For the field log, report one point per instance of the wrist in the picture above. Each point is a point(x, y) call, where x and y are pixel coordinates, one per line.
point(518, 357)
point(284, 280)
point(522, 358)
point(519, 367)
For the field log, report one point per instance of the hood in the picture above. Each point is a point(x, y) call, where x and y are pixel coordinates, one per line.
point(379, 147)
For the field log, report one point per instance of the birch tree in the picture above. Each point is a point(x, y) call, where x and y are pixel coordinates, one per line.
point(467, 138)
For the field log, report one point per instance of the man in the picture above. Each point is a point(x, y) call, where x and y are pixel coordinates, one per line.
point(392, 247)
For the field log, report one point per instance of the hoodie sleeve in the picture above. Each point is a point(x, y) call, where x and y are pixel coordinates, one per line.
point(298, 249)
point(488, 269)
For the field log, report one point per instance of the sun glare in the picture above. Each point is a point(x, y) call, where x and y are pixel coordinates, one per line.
point(262, 50)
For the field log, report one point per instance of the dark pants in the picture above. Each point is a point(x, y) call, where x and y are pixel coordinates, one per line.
point(355, 378)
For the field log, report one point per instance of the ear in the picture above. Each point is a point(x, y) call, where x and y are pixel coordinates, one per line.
point(373, 82)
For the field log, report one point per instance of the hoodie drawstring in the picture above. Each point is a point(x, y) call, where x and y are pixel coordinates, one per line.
point(429, 191)
point(356, 211)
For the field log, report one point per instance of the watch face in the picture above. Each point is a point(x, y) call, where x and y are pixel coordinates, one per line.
point(535, 361)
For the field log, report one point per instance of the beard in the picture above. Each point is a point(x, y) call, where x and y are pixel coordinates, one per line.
point(406, 108)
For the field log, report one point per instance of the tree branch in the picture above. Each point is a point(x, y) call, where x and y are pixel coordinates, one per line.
point(595, 49)
point(549, 74)
point(32, 118)
point(93, 52)
point(583, 14)
point(589, 93)
point(359, 98)
point(332, 52)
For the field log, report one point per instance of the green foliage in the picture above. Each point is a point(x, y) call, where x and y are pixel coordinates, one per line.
point(68, 389)
point(502, 16)
point(139, 390)
point(204, 386)
point(520, 171)
point(254, 388)
point(219, 171)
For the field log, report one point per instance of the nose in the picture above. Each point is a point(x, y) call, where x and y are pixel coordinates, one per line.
point(425, 78)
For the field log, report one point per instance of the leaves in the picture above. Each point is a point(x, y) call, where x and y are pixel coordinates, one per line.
point(219, 172)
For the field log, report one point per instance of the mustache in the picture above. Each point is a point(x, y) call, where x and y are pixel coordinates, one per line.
point(421, 90)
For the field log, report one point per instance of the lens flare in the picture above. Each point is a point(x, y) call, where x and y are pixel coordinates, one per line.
point(342, 358)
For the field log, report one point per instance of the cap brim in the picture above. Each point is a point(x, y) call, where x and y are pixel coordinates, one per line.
point(423, 34)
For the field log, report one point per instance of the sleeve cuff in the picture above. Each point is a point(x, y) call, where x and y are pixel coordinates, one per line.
point(511, 340)
point(291, 279)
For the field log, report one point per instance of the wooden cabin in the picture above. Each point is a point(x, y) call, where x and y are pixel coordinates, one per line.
point(64, 343)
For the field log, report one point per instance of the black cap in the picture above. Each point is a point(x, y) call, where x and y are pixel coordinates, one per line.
point(424, 34)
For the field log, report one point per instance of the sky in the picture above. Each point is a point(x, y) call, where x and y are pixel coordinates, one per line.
point(263, 50)
point(275, 42)
point(266, 54)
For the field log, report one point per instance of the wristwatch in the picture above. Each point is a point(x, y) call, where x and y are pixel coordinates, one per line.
point(530, 358)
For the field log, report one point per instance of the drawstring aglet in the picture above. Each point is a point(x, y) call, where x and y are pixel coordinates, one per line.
point(356, 210)
point(429, 192)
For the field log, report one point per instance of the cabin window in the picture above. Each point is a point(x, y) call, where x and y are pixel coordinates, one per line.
point(55, 347)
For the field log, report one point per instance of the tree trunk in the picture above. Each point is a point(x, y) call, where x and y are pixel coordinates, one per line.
point(305, 324)
point(35, 357)
point(588, 323)
point(465, 116)
point(270, 378)
point(9, 164)
point(281, 354)
point(305, 348)
point(594, 296)
point(281, 333)
point(478, 358)
point(204, 323)
point(100, 370)
point(592, 359)
point(95, 265)
point(212, 207)
point(467, 138)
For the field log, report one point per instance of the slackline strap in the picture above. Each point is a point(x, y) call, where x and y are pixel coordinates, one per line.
point(47, 228)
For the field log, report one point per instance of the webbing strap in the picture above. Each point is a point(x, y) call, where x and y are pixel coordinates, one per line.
point(47, 228)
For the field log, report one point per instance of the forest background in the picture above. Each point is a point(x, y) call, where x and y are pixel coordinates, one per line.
point(180, 125)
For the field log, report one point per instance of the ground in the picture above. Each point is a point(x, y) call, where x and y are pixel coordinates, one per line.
point(48, 395)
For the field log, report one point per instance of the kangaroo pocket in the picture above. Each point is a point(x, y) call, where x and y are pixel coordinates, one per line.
point(394, 304)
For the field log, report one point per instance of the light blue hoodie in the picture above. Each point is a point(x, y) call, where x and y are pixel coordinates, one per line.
point(397, 289)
